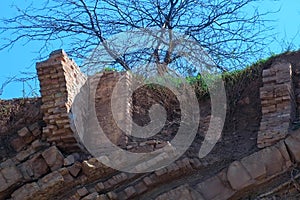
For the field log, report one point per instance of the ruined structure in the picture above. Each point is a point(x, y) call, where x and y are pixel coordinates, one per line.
point(60, 81)
point(42, 157)
point(278, 104)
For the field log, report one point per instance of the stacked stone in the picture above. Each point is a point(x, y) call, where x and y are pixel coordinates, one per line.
point(182, 192)
point(61, 175)
point(173, 171)
point(39, 170)
point(240, 176)
point(23, 166)
point(278, 107)
point(60, 80)
point(43, 172)
point(249, 173)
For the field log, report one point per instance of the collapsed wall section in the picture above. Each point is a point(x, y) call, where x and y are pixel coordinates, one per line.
point(60, 81)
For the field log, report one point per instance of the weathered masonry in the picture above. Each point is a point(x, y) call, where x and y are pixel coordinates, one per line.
point(60, 81)
point(42, 158)
point(278, 105)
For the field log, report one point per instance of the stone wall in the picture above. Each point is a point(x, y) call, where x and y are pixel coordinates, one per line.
point(244, 175)
point(42, 164)
point(60, 81)
point(40, 171)
point(278, 104)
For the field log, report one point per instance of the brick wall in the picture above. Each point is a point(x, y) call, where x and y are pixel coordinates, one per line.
point(93, 110)
point(104, 103)
point(60, 80)
point(278, 105)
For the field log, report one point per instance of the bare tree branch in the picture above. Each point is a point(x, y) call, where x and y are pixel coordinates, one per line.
point(229, 35)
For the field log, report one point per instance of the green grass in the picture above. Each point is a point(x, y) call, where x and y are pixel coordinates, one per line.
point(234, 80)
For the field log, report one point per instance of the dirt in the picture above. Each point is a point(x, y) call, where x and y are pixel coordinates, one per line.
point(16, 114)
point(241, 125)
point(238, 137)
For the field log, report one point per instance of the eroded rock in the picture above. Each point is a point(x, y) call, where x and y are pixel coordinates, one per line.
point(53, 158)
point(238, 176)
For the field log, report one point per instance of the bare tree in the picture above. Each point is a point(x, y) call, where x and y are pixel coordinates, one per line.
point(227, 33)
point(26, 79)
point(5, 83)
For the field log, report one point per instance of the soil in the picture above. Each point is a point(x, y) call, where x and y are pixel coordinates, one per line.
point(16, 114)
point(239, 133)
point(241, 125)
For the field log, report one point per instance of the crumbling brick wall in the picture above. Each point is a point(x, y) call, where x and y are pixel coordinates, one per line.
point(278, 105)
point(40, 170)
point(60, 80)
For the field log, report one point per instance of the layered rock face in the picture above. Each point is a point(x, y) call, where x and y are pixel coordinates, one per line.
point(44, 157)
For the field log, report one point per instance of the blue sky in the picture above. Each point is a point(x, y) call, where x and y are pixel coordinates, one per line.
point(21, 58)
